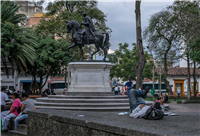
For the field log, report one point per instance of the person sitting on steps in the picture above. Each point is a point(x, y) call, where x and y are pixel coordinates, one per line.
point(7, 115)
point(27, 104)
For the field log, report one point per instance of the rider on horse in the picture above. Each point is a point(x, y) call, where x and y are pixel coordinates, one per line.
point(89, 28)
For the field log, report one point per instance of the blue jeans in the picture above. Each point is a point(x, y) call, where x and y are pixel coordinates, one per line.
point(19, 118)
point(128, 90)
point(6, 118)
point(135, 98)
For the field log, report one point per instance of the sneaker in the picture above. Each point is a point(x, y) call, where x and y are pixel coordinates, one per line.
point(146, 90)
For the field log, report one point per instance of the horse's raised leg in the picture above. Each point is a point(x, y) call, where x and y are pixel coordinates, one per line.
point(71, 46)
point(80, 47)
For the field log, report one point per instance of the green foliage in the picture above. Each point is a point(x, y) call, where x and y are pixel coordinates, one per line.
point(195, 47)
point(17, 44)
point(125, 61)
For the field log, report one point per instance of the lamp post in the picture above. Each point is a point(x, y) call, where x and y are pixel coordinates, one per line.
point(153, 67)
point(160, 76)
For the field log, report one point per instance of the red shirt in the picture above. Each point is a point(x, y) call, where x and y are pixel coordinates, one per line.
point(16, 103)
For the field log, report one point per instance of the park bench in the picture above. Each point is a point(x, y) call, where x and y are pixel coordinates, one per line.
point(173, 96)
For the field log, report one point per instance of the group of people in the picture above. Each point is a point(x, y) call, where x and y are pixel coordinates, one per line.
point(18, 109)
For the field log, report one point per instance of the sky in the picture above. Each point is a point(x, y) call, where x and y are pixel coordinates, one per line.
point(121, 19)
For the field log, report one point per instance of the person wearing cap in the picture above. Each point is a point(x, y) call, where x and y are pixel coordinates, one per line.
point(63, 93)
point(139, 107)
point(129, 85)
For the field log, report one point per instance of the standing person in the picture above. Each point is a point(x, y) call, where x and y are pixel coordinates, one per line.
point(179, 91)
point(4, 99)
point(7, 115)
point(116, 90)
point(129, 85)
point(27, 104)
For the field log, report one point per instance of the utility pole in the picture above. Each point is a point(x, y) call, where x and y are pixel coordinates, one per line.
point(160, 76)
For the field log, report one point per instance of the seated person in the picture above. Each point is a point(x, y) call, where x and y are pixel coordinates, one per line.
point(160, 96)
point(166, 98)
point(63, 93)
point(4, 99)
point(7, 115)
point(27, 104)
point(135, 97)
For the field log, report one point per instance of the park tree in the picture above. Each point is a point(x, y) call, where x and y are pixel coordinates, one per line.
point(162, 37)
point(125, 61)
point(195, 57)
point(140, 66)
point(187, 16)
point(17, 43)
point(51, 56)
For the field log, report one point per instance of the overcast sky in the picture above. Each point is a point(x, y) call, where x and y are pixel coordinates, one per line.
point(122, 21)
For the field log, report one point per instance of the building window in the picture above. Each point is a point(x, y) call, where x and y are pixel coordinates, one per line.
point(197, 87)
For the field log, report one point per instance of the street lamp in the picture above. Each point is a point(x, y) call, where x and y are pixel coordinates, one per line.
point(153, 64)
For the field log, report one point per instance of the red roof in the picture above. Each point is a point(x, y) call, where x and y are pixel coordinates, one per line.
point(177, 71)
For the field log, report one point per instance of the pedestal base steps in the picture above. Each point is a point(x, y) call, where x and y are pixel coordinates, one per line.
point(85, 103)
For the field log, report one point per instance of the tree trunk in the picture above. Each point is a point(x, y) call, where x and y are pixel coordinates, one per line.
point(140, 65)
point(42, 84)
point(168, 87)
point(195, 80)
point(189, 88)
point(34, 84)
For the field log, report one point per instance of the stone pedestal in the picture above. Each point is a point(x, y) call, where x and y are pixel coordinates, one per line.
point(90, 76)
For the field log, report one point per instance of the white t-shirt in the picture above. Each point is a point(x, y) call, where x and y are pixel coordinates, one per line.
point(4, 98)
point(140, 113)
point(116, 88)
point(179, 90)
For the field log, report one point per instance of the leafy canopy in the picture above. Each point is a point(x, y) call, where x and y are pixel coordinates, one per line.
point(125, 61)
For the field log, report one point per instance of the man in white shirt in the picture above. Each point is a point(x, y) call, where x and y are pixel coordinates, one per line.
point(116, 90)
point(4, 99)
point(179, 91)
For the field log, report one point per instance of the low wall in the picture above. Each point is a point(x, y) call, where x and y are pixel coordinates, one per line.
point(57, 123)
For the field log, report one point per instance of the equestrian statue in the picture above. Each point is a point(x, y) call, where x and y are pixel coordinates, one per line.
point(87, 36)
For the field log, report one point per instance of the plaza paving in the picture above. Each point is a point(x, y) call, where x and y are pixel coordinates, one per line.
point(187, 123)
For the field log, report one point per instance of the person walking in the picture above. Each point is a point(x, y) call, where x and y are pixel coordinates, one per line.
point(129, 85)
point(179, 91)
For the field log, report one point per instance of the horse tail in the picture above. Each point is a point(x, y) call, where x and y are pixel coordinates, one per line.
point(106, 42)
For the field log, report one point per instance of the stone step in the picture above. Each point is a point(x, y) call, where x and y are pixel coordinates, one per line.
point(81, 104)
point(16, 133)
point(90, 93)
point(124, 108)
point(53, 100)
point(22, 127)
point(87, 97)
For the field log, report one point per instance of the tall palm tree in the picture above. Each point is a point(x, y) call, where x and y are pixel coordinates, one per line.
point(17, 43)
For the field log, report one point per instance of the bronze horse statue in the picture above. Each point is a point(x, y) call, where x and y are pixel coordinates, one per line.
point(101, 41)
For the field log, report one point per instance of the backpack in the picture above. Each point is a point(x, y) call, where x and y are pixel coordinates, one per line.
point(154, 114)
